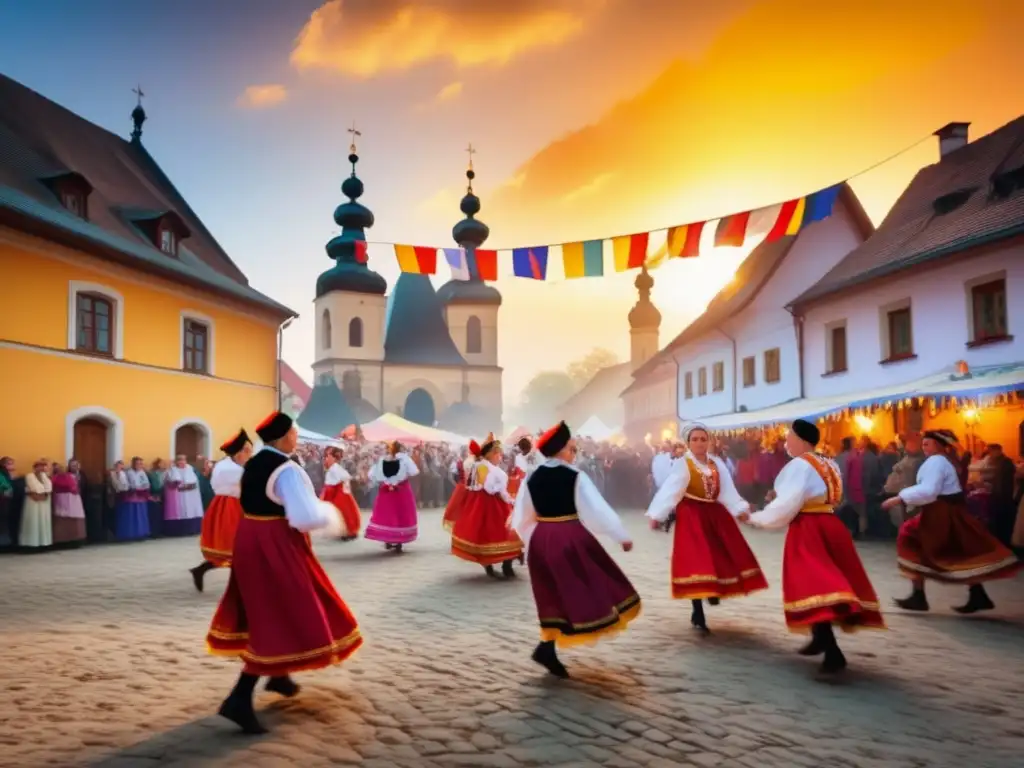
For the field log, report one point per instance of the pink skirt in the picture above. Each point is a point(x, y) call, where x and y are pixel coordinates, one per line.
point(394, 518)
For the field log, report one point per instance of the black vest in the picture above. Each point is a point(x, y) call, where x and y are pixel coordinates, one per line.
point(258, 470)
point(553, 490)
point(390, 467)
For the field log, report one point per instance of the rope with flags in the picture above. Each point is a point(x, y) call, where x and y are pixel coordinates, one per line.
point(586, 258)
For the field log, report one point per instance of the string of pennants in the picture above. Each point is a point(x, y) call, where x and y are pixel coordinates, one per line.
point(586, 258)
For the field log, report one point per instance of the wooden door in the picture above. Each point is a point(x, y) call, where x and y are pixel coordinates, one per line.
point(91, 448)
point(186, 443)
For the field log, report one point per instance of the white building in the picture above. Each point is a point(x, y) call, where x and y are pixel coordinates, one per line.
point(743, 353)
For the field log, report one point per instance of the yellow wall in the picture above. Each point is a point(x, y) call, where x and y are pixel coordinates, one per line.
point(42, 381)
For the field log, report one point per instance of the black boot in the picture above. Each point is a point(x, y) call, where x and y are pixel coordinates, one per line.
point(714, 600)
point(489, 570)
point(819, 641)
point(916, 602)
point(697, 617)
point(977, 600)
point(522, 558)
point(506, 570)
point(545, 655)
point(283, 685)
point(389, 546)
point(199, 572)
point(834, 661)
point(398, 548)
point(237, 707)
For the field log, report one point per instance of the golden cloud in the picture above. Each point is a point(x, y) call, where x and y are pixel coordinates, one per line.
point(263, 96)
point(449, 92)
point(362, 38)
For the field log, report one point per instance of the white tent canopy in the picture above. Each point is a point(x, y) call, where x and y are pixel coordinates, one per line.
point(308, 436)
point(595, 429)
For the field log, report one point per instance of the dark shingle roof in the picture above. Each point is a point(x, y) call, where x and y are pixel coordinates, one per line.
point(948, 207)
point(417, 333)
point(327, 411)
point(41, 140)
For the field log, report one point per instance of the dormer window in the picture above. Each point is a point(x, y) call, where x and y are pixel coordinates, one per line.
point(164, 229)
point(168, 242)
point(72, 190)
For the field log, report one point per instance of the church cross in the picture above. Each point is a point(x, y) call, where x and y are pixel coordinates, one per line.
point(471, 152)
point(354, 133)
point(137, 90)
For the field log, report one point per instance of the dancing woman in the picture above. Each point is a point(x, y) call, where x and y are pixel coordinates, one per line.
point(944, 542)
point(481, 534)
point(463, 469)
point(338, 491)
point(710, 558)
point(394, 517)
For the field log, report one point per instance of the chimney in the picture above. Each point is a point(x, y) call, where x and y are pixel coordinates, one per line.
point(951, 138)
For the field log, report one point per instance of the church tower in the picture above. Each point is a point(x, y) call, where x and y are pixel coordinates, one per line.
point(644, 322)
point(351, 306)
point(471, 306)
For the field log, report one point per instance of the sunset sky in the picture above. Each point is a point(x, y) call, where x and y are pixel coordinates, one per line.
point(591, 118)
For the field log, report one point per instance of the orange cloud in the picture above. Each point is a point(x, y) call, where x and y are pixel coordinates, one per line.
point(781, 103)
point(449, 92)
point(362, 39)
point(263, 96)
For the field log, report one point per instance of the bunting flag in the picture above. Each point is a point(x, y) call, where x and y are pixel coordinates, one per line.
point(820, 204)
point(657, 258)
point(530, 262)
point(630, 251)
point(583, 259)
point(486, 265)
point(789, 220)
point(684, 241)
point(732, 230)
point(416, 259)
point(457, 262)
point(360, 251)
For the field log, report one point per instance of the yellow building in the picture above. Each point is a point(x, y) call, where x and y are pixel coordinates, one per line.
point(124, 327)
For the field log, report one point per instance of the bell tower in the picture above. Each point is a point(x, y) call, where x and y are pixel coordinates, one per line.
point(644, 322)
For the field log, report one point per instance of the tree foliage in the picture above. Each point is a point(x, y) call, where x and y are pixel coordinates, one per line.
point(583, 370)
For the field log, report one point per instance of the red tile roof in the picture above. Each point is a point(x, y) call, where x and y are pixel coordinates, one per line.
point(973, 196)
point(294, 382)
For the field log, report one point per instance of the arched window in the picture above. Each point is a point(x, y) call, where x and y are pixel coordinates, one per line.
point(474, 336)
point(325, 329)
point(355, 332)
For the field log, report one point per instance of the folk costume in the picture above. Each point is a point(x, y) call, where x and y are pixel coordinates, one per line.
point(280, 612)
point(36, 531)
point(338, 491)
point(944, 542)
point(68, 511)
point(823, 580)
point(710, 558)
point(220, 523)
point(481, 534)
point(522, 466)
point(394, 517)
point(131, 514)
point(463, 468)
point(580, 592)
point(183, 503)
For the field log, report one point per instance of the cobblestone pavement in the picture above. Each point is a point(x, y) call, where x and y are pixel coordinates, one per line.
point(102, 660)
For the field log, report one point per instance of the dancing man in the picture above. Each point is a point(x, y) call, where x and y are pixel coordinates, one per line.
point(710, 558)
point(394, 517)
point(338, 491)
point(823, 579)
point(280, 612)
point(580, 593)
point(481, 534)
point(220, 523)
point(944, 542)
point(522, 465)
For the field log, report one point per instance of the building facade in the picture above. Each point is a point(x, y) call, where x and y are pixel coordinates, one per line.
point(126, 330)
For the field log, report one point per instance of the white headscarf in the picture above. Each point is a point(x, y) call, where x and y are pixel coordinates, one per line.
point(693, 425)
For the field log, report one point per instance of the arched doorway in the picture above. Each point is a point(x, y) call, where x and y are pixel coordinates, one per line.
point(90, 448)
point(419, 408)
point(188, 442)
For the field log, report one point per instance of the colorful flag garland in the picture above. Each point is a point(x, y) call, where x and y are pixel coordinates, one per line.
point(585, 258)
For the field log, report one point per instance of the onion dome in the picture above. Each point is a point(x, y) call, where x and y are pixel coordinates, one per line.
point(470, 233)
point(644, 315)
point(350, 272)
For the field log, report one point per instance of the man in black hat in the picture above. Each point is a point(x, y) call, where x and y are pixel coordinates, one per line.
point(823, 580)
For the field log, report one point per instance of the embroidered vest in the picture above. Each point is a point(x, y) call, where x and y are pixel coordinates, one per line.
point(833, 479)
point(705, 482)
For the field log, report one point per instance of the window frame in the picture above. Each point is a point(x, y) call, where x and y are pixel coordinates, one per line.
point(768, 372)
point(702, 381)
point(750, 381)
point(688, 385)
point(356, 329)
point(831, 366)
point(197, 330)
point(473, 322)
point(978, 290)
point(718, 377)
point(194, 316)
point(79, 287)
point(891, 332)
point(95, 298)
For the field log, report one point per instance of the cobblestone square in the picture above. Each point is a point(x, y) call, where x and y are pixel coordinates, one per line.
point(103, 664)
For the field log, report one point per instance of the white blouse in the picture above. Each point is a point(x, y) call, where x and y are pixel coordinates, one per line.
point(936, 477)
point(137, 479)
point(496, 482)
point(795, 485)
point(594, 512)
point(675, 484)
point(226, 478)
point(406, 468)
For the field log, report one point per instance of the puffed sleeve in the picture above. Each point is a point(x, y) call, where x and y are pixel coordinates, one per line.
point(496, 484)
point(595, 513)
point(305, 512)
point(670, 493)
point(928, 487)
point(793, 486)
point(411, 470)
point(728, 496)
point(524, 515)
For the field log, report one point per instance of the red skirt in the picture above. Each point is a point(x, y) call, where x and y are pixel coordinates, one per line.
point(280, 612)
point(823, 579)
point(945, 542)
point(710, 557)
point(453, 510)
point(515, 480)
point(346, 506)
point(481, 534)
point(220, 524)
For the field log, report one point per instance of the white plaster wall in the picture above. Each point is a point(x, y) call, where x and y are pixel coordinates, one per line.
point(704, 353)
point(940, 321)
point(457, 316)
point(344, 306)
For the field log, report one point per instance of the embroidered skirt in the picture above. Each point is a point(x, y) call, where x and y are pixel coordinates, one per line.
point(220, 524)
point(481, 534)
point(945, 542)
point(581, 594)
point(453, 510)
point(710, 557)
point(394, 517)
point(280, 612)
point(823, 579)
